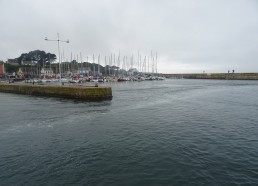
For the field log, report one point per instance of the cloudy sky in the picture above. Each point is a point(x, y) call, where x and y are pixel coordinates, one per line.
point(189, 36)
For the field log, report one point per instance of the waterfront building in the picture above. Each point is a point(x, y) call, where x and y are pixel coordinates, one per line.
point(46, 72)
point(30, 72)
point(12, 62)
point(132, 71)
point(2, 70)
point(29, 63)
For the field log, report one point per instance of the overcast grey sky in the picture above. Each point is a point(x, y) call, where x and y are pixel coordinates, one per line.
point(190, 36)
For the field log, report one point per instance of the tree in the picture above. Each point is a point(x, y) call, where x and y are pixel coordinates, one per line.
point(37, 55)
point(10, 68)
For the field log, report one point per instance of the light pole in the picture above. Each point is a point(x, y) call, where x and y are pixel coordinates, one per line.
point(58, 40)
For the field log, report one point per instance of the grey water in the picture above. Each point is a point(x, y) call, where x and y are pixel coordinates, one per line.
point(172, 132)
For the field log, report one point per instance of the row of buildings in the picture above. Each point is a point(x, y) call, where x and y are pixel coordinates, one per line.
point(31, 69)
point(23, 62)
point(27, 69)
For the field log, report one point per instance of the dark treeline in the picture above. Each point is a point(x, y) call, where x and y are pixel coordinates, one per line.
point(39, 56)
point(41, 59)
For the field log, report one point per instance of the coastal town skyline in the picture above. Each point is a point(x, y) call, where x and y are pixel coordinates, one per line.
point(188, 36)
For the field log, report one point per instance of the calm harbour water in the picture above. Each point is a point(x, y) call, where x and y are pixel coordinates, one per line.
point(172, 132)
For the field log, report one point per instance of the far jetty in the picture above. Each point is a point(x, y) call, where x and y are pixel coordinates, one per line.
point(222, 76)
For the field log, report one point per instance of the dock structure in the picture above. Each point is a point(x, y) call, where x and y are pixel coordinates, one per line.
point(69, 92)
point(225, 76)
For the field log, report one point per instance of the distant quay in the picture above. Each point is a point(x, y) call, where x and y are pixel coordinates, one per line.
point(225, 76)
point(60, 91)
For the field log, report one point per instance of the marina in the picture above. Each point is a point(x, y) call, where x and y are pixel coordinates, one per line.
point(128, 93)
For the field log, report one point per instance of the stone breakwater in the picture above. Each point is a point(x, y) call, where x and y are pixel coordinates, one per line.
point(229, 76)
point(70, 92)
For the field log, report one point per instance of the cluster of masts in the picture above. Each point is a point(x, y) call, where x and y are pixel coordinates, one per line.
point(143, 63)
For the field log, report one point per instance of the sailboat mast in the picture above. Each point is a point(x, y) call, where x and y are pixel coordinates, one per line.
point(114, 64)
point(156, 63)
point(81, 62)
point(64, 70)
point(105, 66)
point(93, 65)
point(98, 63)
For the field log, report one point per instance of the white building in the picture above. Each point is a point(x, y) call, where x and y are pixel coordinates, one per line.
point(46, 72)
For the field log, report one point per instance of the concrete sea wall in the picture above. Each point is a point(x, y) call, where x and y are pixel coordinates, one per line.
point(231, 76)
point(70, 92)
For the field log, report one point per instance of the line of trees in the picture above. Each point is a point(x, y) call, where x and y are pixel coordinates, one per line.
point(41, 57)
point(44, 59)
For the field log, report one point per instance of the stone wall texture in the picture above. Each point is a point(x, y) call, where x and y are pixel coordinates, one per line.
point(70, 92)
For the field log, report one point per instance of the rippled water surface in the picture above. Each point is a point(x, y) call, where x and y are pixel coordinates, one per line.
point(172, 132)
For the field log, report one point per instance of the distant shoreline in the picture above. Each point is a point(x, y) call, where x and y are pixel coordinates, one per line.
point(226, 76)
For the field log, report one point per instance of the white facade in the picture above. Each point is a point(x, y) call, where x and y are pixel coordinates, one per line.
point(46, 72)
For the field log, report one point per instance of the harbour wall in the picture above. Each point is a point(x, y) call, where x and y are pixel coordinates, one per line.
point(227, 76)
point(70, 92)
